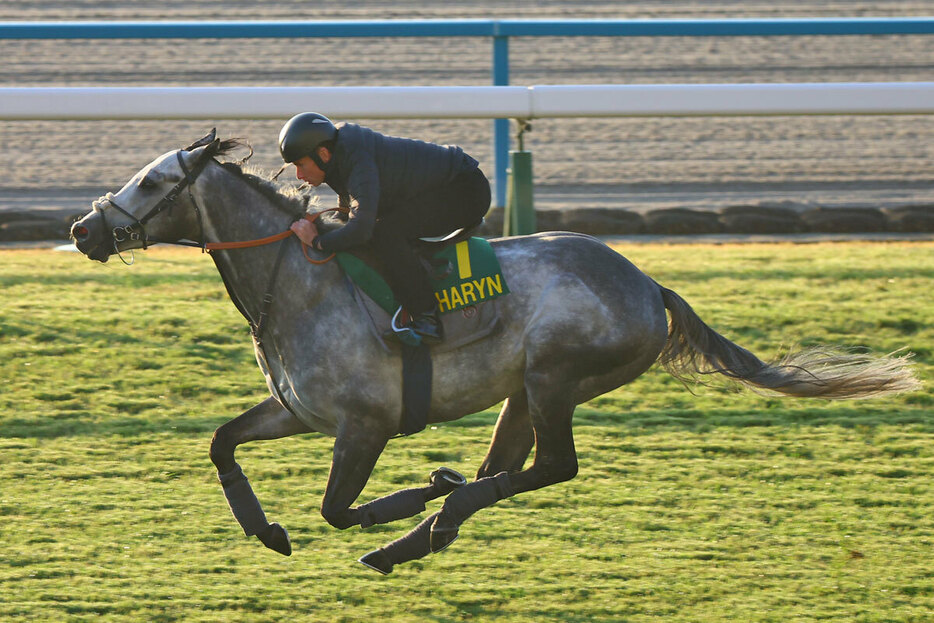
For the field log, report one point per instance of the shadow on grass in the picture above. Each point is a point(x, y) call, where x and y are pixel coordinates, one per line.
point(22, 428)
point(629, 424)
point(645, 422)
point(113, 280)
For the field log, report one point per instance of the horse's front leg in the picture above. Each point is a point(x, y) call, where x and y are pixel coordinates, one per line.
point(267, 420)
point(360, 441)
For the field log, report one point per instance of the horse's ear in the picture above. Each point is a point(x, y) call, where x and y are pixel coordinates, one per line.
point(207, 139)
point(203, 152)
point(212, 148)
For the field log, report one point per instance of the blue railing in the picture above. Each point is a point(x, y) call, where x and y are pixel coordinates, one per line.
point(469, 28)
point(498, 30)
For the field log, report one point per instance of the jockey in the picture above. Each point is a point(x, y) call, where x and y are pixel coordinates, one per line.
point(397, 190)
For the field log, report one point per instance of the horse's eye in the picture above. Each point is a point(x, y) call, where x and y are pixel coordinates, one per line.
point(146, 183)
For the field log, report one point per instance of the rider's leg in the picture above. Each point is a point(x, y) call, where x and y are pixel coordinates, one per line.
point(405, 273)
point(434, 212)
point(462, 202)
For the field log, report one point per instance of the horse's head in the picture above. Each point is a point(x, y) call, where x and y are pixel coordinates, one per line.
point(127, 219)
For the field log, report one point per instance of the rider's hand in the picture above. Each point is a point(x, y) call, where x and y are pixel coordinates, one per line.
point(305, 230)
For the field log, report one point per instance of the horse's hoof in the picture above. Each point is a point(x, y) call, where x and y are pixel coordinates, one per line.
point(442, 535)
point(441, 539)
point(377, 560)
point(445, 480)
point(277, 539)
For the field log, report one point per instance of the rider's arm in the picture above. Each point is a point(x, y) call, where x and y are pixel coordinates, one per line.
point(363, 189)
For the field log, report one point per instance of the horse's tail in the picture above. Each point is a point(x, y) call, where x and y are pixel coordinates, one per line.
point(694, 349)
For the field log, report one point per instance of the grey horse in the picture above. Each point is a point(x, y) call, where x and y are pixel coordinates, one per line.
point(580, 321)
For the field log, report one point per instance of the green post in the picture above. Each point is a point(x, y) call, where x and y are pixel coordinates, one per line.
point(519, 203)
point(519, 216)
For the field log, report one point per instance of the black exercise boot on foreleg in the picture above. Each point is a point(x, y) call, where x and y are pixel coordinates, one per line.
point(249, 513)
point(440, 529)
point(267, 420)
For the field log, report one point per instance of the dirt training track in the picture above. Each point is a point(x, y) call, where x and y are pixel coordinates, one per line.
point(641, 165)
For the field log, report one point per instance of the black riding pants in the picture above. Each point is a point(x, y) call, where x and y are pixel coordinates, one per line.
point(462, 202)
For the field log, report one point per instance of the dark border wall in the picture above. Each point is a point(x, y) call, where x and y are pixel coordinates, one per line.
point(23, 226)
point(730, 220)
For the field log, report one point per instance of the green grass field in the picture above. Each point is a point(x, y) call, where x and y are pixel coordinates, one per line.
point(718, 506)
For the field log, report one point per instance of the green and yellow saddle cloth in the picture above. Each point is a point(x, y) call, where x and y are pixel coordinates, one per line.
point(466, 277)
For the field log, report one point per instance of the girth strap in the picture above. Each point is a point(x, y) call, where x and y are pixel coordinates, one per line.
point(416, 388)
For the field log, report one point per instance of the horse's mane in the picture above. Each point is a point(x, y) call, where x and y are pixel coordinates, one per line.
point(291, 199)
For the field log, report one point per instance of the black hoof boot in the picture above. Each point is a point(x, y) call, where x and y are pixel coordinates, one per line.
point(277, 539)
point(377, 560)
point(428, 326)
point(443, 533)
point(444, 480)
point(412, 546)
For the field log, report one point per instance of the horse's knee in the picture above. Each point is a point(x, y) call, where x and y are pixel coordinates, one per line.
point(222, 450)
point(340, 518)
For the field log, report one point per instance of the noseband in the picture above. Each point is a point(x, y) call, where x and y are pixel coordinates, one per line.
point(137, 230)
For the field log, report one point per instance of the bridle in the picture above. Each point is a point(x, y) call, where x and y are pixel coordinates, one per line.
point(137, 230)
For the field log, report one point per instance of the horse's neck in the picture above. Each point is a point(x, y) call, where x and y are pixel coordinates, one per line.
point(233, 211)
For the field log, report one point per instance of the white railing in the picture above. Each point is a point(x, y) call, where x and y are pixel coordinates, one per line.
point(467, 102)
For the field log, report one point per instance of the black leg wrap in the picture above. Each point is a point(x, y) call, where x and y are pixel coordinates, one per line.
point(463, 503)
point(467, 500)
point(412, 546)
point(243, 503)
point(409, 502)
point(398, 505)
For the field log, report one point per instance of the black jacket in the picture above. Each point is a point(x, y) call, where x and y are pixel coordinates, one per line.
point(372, 173)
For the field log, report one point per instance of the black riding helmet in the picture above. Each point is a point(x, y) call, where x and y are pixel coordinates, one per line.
point(302, 134)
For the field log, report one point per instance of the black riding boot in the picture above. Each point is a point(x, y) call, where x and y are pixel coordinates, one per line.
point(428, 326)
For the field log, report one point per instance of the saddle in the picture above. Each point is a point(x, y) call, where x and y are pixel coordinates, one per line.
point(466, 277)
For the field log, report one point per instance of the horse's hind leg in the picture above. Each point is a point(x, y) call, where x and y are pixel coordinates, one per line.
point(267, 420)
point(399, 505)
point(555, 461)
point(512, 440)
point(356, 450)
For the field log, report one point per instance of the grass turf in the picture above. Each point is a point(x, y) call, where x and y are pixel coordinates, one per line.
point(688, 507)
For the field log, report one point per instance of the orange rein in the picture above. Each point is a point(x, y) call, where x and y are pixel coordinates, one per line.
point(245, 244)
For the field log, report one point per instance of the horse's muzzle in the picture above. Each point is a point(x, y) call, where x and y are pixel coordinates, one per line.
point(92, 238)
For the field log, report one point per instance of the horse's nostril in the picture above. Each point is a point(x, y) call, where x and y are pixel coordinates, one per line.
point(79, 232)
